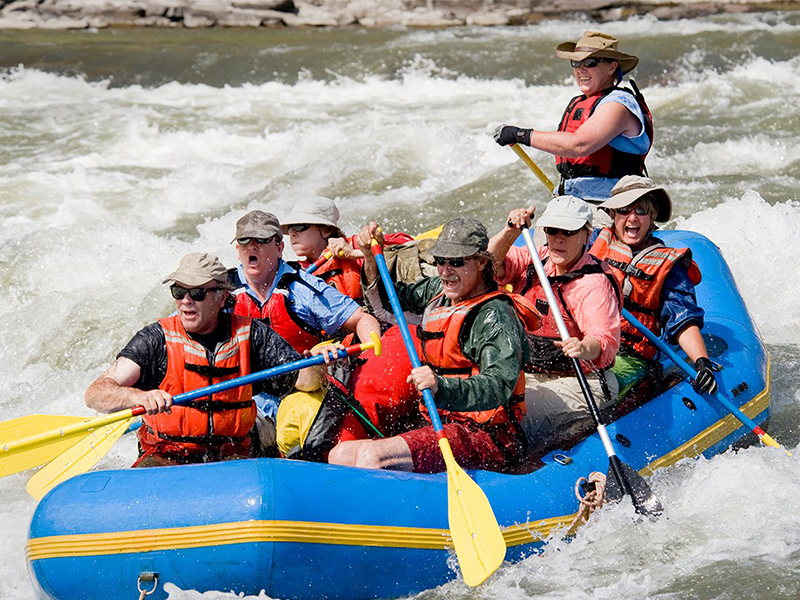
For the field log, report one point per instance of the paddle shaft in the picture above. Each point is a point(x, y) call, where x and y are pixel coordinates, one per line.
point(326, 256)
point(533, 167)
point(403, 325)
point(97, 422)
point(613, 459)
point(476, 536)
point(736, 412)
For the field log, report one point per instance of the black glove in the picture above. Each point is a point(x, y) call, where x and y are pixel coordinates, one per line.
point(508, 134)
point(705, 383)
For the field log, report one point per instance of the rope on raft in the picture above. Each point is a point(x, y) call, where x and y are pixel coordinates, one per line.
point(593, 498)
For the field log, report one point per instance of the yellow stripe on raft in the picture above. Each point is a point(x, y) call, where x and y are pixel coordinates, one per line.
point(716, 433)
point(242, 532)
point(250, 532)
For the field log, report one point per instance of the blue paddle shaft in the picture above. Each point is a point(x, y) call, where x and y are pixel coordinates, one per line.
point(661, 345)
point(254, 377)
point(401, 322)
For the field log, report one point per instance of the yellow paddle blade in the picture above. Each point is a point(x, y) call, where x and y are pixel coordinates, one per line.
point(477, 538)
point(79, 458)
point(431, 233)
point(34, 449)
point(33, 424)
point(23, 427)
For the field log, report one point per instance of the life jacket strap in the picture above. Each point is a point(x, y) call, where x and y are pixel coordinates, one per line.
point(211, 406)
point(210, 370)
point(426, 336)
point(630, 269)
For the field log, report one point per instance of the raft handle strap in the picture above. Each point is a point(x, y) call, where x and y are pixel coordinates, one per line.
point(147, 577)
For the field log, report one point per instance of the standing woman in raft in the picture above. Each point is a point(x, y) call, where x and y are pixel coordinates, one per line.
point(605, 132)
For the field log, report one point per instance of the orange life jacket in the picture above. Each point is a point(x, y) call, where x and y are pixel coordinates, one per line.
point(278, 313)
point(607, 161)
point(344, 274)
point(641, 279)
point(222, 418)
point(440, 348)
point(546, 357)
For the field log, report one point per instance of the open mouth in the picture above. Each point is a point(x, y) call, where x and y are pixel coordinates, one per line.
point(632, 231)
point(450, 282)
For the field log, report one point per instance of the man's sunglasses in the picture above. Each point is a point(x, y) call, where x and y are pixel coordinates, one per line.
point(554, 231)
point(260, 241)
point(300, 228)
point(637, 208)
point(589, 63)
point(196, 294)
point(455, 263)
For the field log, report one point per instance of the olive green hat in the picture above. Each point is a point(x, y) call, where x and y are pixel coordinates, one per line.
point(461, 237)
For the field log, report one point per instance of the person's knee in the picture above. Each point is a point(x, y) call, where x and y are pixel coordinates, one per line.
point(369, 456)
point(344, 453)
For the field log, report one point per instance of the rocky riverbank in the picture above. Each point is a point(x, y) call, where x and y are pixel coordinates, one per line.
point(84, 14)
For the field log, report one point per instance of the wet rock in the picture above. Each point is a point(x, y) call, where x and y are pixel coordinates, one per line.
point(79, 14)
point(266, 5)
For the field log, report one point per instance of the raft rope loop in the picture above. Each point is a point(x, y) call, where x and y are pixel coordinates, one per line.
point(147, 577)
point(593, 498)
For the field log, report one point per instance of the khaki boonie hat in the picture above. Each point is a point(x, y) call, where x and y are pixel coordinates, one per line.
point(316, 210)
point(461, 237)
point(258, 224)
point(632, 187)
point(197, 269)
point(598, 45)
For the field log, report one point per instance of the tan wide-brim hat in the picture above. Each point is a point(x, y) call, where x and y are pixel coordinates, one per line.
point(598, 45)
point(632, 187)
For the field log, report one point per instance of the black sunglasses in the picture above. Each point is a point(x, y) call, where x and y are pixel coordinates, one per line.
point(455, 263)
point(554, 231)
point(589, 63)
point(299, 228)
point(638, 209)
point(259, 241)
point(196, 294)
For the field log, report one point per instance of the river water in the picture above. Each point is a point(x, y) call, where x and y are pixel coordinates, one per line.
point(122, 150)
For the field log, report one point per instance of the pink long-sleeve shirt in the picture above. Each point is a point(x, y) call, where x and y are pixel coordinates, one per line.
point(591, 299)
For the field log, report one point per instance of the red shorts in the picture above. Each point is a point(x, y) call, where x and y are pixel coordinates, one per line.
point(473, 448)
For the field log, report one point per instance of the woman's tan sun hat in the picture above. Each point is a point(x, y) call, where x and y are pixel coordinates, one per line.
point(598, 45)
point(632, 187)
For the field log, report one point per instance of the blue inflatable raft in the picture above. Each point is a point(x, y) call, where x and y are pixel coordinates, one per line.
point(306, 531)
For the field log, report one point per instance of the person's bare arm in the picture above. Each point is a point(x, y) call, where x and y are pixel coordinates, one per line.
point(113, 391)
point(691, 341)
point(363, 324)
point(364, 240)
point(608, 121)
point(501, 242)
